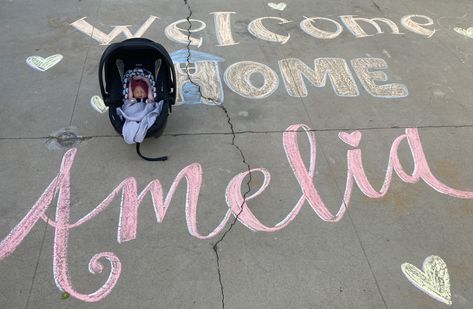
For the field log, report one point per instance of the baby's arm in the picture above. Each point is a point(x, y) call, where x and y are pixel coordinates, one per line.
point(150, 90)
point(130, 91)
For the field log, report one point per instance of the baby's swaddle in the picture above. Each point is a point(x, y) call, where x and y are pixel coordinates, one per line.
point(139, 117)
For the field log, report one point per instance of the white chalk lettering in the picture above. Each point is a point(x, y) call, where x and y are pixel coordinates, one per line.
point(308, 27)
point(223, 29)
point(257, 29)
point(415, 27)
point(293, 69)
point(180, 35)
point(206, 82)
point(224, 36)
point(238, 78)
point(367, 78)
point(105, 39)
point(351, 22)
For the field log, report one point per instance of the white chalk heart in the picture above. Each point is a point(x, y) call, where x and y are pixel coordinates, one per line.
point(277, 6)
point(43, 64)
point(432, 280)
point(98, 104)
point(352, 139)
point(466, 32)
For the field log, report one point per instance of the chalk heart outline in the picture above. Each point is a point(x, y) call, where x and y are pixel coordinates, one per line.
point(98, 104)
point(433, 279)
point(277, 6)
point(466, 32)
point(43, 64)
point(352, 139)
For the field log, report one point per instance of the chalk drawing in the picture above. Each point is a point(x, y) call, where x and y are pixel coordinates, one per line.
point(351, 22)
point(202, 68)
point(466, 32)
point(207, 87)
point(293, 69)
point(416, 27)
point(353, 139)
point(223, 29)
point(238, 78)
point(224, 36)
point(258, 30)
point(97, 103)
point(237, 204)
point(307, 26)
point(367, 78)
point(277, 6)
point(421, 169)
point(181, 35)
point(105, 39)
point(43, 64)
point(61, 183)
point(355, 175)
point(127, 221)
point(433, 279)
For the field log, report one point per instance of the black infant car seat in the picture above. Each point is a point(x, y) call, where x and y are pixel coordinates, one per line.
point(150, 56)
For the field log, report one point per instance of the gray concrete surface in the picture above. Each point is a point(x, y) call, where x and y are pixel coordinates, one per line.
point(311, 263)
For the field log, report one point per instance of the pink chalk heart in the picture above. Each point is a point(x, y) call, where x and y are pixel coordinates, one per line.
point(352, 139)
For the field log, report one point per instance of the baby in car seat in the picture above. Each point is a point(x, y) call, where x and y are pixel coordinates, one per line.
point(140, 90)
point(139, 110)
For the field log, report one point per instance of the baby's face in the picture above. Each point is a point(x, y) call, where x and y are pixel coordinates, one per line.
point(139, 93)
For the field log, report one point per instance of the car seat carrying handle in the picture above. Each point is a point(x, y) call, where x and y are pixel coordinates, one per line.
point(105, 95)
point(164, 158)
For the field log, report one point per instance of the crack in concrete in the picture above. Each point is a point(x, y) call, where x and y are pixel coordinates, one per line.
point(242, 155)
point(76, 99)
point(88, 137)
point(64, 138)
point(377, 7)
point(67, 138)
point(30, 291)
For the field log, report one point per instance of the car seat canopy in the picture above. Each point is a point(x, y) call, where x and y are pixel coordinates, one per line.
point(140, 54)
